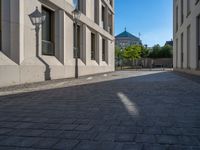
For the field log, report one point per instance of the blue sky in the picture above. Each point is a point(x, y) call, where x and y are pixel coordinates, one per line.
point(152, 18)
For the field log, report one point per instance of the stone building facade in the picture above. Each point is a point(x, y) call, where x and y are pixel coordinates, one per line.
point(186, 35)
point(126, 39)
point(18, 60)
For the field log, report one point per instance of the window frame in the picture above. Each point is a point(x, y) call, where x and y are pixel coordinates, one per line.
point(177, 22)
point(103, 49)
point(188, 45)
point(188, 7)
point(177, 50)
point(182, 50)
point(93, 46)
point(52, 32)
point(182, 12)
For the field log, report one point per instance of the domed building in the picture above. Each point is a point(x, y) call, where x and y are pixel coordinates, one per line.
point(126, 39)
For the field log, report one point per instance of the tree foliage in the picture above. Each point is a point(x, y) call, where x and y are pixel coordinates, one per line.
point(161, 52)
point(133, 52)
point(118, 53)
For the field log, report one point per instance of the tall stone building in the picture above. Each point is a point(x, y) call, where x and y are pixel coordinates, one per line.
point(19, 62)
point(187, 35)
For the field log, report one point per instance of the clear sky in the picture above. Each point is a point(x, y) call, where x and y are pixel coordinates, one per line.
point(152, 18)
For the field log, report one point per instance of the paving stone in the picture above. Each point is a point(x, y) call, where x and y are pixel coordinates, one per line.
point(69, 134)
point(45, 143)
point(19, 141)
point(167, 139)
point(51, 133)
point(105, 137)
point(26, 132)
point(172, 131)
point(87, 145)
point(125, 137)
point(3, 137)
point(145, 138)
point(175, 147)
point(65, 145)
point(87, 136)
point(90, 145)
point(68, 127)
point(84, 127)
point(152, 130)
point(4, 131)
point(132, 147)
point(52, 126)
point(155, 147)
point(9, 124)
point(82, 121)
point(189, 140)
point(15, 148)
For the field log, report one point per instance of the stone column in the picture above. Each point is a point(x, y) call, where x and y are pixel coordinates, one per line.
point(60, 36)
point(17, 30)
point(86, 44)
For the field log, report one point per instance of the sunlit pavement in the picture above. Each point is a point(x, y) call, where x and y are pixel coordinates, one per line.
point(128, 110)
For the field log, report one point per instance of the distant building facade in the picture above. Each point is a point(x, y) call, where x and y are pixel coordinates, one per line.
point(169, 43)
point(19, 62)
point(126, 39)
point(186, 29)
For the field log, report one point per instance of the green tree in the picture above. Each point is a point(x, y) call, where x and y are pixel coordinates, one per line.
point(155, 51)
point(161, 52)
point(133, 53)
point(144, 52)
point(118, 54)
point(167, 51)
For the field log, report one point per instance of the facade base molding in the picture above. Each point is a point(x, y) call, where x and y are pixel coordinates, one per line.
point(188, 71)
point(32, 70)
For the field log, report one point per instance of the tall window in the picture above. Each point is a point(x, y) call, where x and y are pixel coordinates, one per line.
point(96, 12)
point(103, 50)
point(188, 7)
point(78, 36)
point(182, 54)
point(79, 4)
point(198, 39)
point(177, 53)
point(188, 46)
point(48, 32)
point(110, 22)
point(103, 16)
point(176, 18)
point(182, 11)
point(93, 46)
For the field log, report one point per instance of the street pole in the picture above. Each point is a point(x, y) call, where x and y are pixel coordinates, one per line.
point(37, 29)
point(76, 50)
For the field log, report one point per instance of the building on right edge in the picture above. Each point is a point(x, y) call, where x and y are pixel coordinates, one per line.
point(186, 29)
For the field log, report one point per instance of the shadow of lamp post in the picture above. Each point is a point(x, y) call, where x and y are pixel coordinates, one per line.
point(76, 16)
point(37, 19)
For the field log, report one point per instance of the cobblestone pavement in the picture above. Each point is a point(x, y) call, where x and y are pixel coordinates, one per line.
point(118, 111)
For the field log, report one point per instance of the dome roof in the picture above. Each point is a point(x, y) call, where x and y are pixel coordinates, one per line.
point(126, 34)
